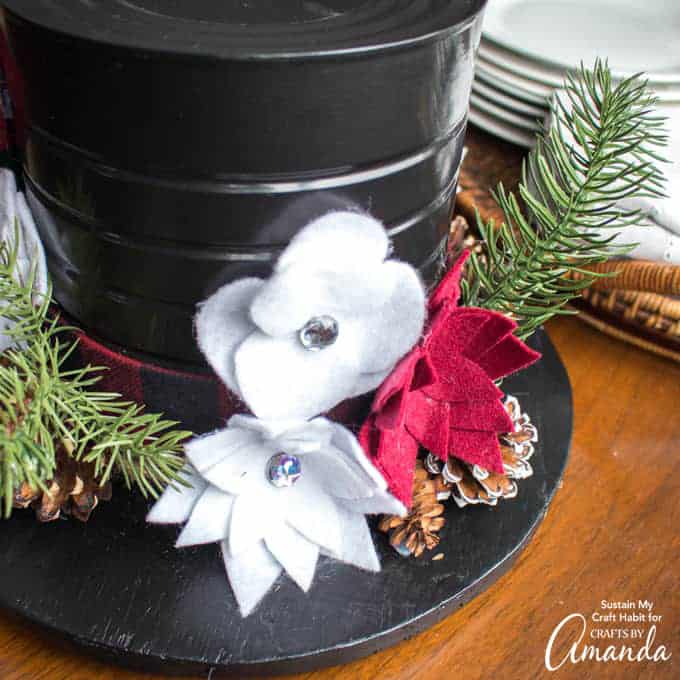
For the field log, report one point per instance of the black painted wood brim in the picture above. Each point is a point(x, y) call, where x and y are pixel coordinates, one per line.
point(119, 588)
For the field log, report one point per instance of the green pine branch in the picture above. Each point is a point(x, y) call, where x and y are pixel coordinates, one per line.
point(45, 407)
point(603, 148)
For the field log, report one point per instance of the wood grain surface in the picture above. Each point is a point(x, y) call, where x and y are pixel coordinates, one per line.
point(611, 534)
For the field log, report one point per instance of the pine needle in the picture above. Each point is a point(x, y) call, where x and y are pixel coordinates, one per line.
point(603, 148)
point(44, 407)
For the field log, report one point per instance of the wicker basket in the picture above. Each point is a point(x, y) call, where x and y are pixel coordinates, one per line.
point(640, 304)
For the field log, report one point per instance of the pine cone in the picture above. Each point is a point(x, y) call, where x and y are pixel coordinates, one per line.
point(472, 484)
point(458, 235)
point(419, 530)
point(73, 491)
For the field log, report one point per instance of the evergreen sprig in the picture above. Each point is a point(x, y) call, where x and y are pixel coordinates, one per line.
point(45, 406)
point(603, 148)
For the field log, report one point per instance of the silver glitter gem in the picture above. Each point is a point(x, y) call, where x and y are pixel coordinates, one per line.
point(284, 470)
point(318, 333)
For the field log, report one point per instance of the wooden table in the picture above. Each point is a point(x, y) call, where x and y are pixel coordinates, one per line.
point(611, 534)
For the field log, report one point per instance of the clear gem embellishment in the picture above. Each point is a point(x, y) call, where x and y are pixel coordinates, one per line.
point(319, 332)
point(284, 470)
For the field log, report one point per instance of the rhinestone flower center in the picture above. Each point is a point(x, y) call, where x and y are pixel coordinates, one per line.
point(284, 470)
point(318, 333)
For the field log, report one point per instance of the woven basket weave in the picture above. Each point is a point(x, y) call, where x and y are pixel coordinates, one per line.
point(639, 275)
point(640, 305)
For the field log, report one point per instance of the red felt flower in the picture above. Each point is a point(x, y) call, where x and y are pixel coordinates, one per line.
point(442, 395)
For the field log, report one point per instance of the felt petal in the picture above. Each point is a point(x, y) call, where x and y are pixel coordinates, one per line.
point(177, 502)
point(357, 546)
point(389, 404)
point(306, 437)
point(394, 453)
point(415, 372)
point(251, 574)
point(288, 300)
point(367, 382)
point(477, 448)
point(209, 521)
point(508, 356)
point(395, 327)
point(492, 330)
point(461, 380)
point(280, 379)
point(424, 373)
point(267, 429)
point(380, 503)
point(253, 517)
point(291, 297)
point(345, 440)
point(313, 513)
point(448, 290)
point(428, 422)
point(207, 451)
point(223, 323)
point(397, 384)
point(480, 415)
point(453, 333)
point(294, 553)
point(360, 290)
point(336, 240)
point(485, 337)
point(338, 475)
point(242, 472)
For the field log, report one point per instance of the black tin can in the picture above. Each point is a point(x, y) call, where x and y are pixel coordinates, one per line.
point(176, 145)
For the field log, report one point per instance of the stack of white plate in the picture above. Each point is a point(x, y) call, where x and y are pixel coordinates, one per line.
point(528, 46)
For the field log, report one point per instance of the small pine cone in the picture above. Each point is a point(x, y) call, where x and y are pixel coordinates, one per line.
point(457, 236)
point(72, 490)
point(472, 484)
point(419, 530)
point(517, 447)
point(25, 495)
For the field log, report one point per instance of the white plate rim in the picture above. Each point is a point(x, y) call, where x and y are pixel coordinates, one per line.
point(528, 123)
point(534, 71)
point(660, 78)
point(496, 95)
point(500, 129)
point(498, 83)
point(514, 80)
point(533, 90)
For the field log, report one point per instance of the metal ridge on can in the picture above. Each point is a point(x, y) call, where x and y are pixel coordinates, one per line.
point(256, 29)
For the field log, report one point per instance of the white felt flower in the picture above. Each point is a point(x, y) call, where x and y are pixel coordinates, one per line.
point(16, 221)
point(264, 528)
point(333, 284)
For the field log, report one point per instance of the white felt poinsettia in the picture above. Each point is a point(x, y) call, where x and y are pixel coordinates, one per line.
point(18, 232)
point(276, 495)
point(329, 324)
point(278, 489)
